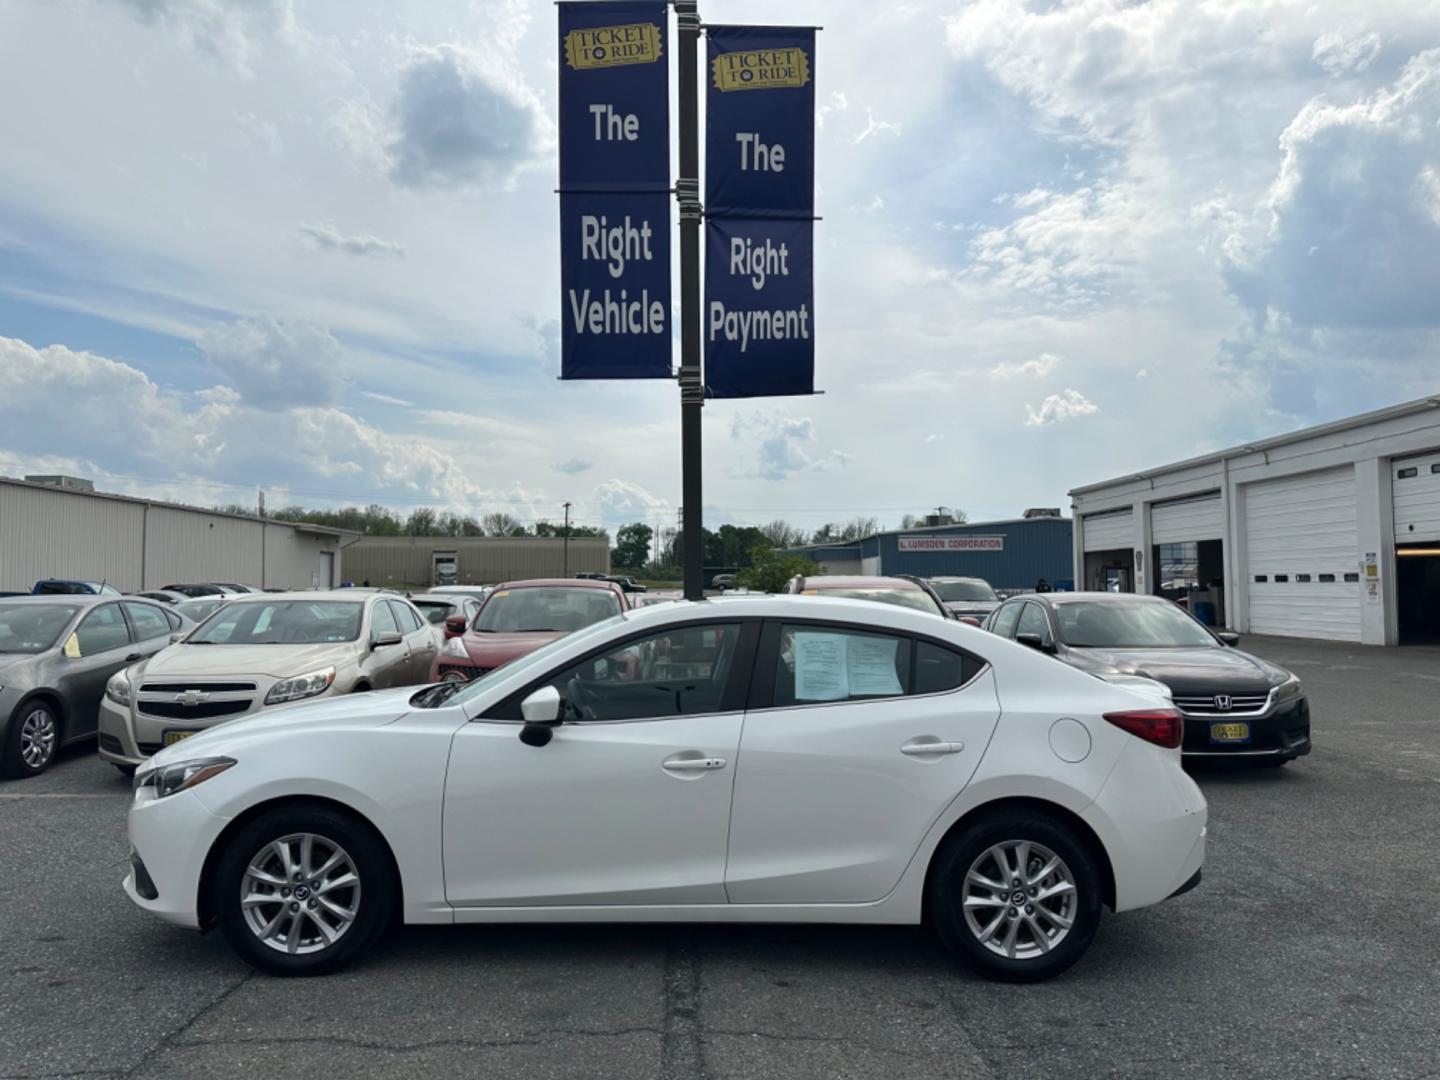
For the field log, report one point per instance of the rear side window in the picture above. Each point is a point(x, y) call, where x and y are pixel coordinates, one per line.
point(938, 669)
point(150, 622)
point(1006, 619)
point(823, 664)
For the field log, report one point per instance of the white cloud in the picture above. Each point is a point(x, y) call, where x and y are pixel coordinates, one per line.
point(573, 467)
point(461, 118)
point(276, 363)
point(875, 126)
point(386, 399)
point(1345, 52)
point(224, 29)
point(324, 236)
point(621, 501)
point(1057, 408)
point(782, 445)
point(1041, 366)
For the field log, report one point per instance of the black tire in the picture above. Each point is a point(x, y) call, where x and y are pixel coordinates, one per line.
point(946, 894)
point(373, 902)
point(14, 763)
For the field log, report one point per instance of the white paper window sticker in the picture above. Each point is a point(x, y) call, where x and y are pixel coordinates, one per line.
point(820, 673)
point(833, 667)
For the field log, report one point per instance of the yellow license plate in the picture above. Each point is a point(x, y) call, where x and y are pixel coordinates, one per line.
point(170, 738)
point(1229, 732)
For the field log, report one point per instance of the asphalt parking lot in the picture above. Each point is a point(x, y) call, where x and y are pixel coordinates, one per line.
point(1310, 950)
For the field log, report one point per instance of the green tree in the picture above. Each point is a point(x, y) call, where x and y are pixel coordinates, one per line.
point(421, 522)
point(771, 569)
point(632, 545)
point(499, 523)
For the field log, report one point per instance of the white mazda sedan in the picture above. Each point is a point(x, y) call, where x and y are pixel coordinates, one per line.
point(780, 759)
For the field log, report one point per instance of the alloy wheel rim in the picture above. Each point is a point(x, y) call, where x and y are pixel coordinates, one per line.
point(300, 894)
point(37, 738)
point(1020, 899)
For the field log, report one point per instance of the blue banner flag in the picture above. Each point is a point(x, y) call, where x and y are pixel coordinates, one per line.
point(615, 184)
point(760, 122)
point(759, 307)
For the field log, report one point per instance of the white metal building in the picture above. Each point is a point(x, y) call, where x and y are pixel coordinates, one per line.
point(134, 544)
point(1330, 532)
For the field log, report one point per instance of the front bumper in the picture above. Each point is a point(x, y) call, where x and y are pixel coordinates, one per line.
point(1281, 733)
point(117, 738)
point(169, 839)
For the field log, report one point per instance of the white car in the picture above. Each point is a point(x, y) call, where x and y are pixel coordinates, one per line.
point(260, 650)
point(768, 759)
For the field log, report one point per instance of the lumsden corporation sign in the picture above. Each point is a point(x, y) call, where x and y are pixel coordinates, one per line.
point(951, 543)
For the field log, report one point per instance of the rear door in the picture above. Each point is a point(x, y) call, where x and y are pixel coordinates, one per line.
point(419, 640)
point(855, 741)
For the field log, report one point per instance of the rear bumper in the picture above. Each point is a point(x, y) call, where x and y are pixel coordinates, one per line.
point(1283, 733)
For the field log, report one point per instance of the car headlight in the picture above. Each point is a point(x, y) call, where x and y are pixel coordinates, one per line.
point(183, 775)
point(301, 686)
point(454, 649)
point(1289, 690)
point(118, 688)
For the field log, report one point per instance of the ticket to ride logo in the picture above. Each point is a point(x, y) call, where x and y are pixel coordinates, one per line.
point(612, 46)
point(762, 69)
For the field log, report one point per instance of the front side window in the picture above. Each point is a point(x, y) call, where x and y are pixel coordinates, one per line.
point(407, 619)
point(382, 621)
point(824, 664)
point(32, 628)
point(281, 622)
point(149, 621)
point(683, 671)
point(102, 630)
point(1006, 618)
point(545, 609)
point(1033, 621)
point(1129, 625)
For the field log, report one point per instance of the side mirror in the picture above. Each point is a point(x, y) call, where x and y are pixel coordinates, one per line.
point(388, 638)
point(541, 711)
point(455, 625)
point(1227, 638)
point(1034, 641)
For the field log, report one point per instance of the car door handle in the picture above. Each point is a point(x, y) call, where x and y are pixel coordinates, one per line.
point(692, 764)
point(929, 745)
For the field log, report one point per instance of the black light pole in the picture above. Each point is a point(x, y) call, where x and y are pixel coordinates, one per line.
point(692, 383)
point(567, 541)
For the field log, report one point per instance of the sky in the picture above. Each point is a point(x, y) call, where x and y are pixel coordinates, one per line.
point(311, 247)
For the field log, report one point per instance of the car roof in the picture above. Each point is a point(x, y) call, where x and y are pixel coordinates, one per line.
point(82, 599)
point(558, 583)
point(950, 579)
point(328, 595)
point(809, 608)
point(448, 598)
point(1102, 597)
point(859, 581)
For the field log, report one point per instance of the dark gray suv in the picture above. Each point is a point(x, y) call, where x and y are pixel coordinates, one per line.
point(56, 655)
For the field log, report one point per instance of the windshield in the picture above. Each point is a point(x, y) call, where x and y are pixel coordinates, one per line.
point(544, 608)
point(911, 598)
point(198, 609)
point(64, 588)
point(953, 591)
point(32, 628)
point(531, 660)
point(436, 613)
point(1139, 625)
point(281, 622)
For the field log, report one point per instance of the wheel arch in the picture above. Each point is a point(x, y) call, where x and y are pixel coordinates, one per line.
point(1024, 804)
point(204, 906)
point(52, 698)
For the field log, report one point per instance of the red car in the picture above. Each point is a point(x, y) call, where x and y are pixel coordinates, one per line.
point(519, 617)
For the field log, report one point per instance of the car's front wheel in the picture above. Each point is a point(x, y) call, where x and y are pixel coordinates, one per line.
point(33, 742)
point(1017, 897)
point(303, 891)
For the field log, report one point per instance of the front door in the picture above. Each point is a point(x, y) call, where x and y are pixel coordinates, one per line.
point(99, 647)
point(389, 665)
point(629, 803)
point(859, 741)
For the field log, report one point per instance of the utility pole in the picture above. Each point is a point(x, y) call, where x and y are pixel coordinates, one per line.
point(692, 383)
point(567, 541)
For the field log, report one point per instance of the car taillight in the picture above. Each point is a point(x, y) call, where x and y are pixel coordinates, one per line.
point(1163, 727)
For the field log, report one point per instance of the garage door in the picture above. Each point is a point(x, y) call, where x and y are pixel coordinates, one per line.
point(1416, 488)
point(1105, 532)
point(1183, 520)
point(1302, 556)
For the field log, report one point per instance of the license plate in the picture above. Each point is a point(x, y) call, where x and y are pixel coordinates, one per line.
point(170, 738)
point(1229, 732)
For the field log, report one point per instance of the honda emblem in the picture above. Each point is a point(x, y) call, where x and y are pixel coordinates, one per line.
point(1222, 702)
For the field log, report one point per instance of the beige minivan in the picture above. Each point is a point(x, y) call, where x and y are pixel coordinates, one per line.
point(262, 650)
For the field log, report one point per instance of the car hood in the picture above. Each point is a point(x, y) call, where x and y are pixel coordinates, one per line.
point(345, 712)
point(493, 650)
point(1184, 670)
point(972, 607)
point(11, 661)
point(277, 661)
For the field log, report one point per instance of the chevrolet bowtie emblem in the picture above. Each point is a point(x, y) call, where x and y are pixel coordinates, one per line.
point(192, 697)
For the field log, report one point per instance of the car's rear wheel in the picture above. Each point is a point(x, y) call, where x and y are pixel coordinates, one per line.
point(33, 742)
point(1017, 897)
point(303, 891)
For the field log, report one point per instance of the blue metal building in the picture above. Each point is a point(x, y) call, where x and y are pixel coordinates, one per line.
point(1013, 554)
